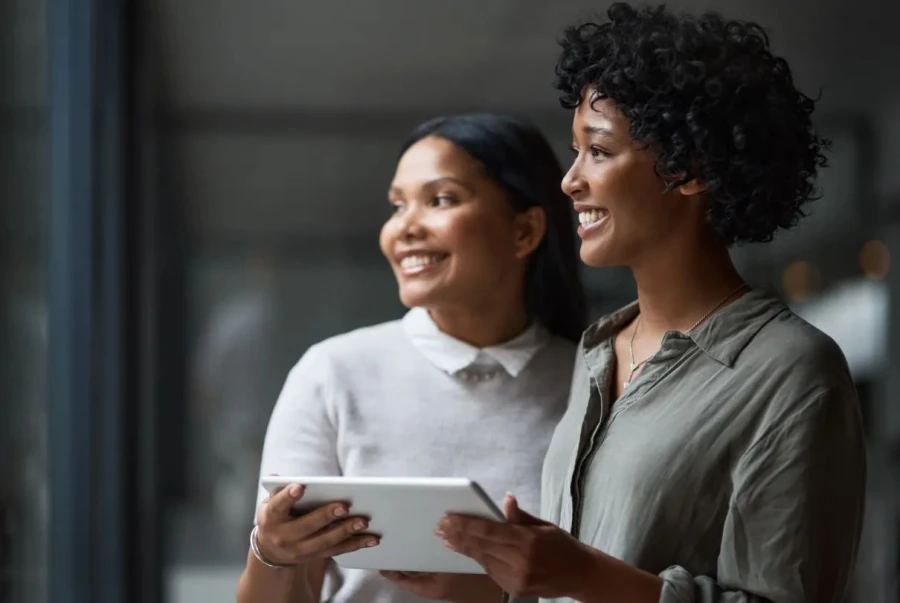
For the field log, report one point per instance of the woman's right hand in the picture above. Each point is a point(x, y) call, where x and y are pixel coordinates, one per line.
point(325, 532)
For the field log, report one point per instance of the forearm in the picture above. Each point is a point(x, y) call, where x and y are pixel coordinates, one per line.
point(261, 584)
point(609, 580)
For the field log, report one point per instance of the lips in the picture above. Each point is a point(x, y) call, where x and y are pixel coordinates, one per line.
point(417, 262)
point(590, 217)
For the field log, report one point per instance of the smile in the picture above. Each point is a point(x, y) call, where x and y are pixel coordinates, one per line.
point(419, 263)
point(591, 219)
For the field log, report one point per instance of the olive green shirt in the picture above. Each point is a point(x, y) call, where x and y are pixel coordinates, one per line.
point(733, 466)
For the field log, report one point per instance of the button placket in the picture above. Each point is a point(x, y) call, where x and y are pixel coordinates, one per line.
point(655, 370)
point(600, 389)
point(577, 485)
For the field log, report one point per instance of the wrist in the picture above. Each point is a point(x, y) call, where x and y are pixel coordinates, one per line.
point(261, 556)
point(602, 579)
point(590, 568)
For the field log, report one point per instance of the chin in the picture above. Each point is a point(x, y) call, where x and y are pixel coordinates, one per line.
point(411, 301)
point(598, 257)
point(414, 297)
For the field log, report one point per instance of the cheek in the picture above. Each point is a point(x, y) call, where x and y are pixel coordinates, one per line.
point(387, 237)
point(484, 240)
point(633, 197)
point(451, 229)
point(478, 242)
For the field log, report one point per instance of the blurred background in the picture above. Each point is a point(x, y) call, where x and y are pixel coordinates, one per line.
point(190, 196)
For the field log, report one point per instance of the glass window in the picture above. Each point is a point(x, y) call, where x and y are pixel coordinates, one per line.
point(23, 330)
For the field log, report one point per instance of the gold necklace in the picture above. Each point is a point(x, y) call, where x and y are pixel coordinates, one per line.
point(633, 366)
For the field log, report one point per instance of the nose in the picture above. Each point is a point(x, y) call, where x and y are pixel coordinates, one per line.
point(411, 227)
point(573, 184)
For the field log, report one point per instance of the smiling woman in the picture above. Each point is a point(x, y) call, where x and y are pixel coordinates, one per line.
point(455, 242)
point(482, 243)
point(712, 449)
point(481, 193)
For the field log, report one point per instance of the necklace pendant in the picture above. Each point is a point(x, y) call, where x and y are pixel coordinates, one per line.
point(626, 384)
point(633, 367)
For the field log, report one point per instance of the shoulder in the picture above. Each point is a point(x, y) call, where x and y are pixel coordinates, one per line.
point(789, 346)
point(363, 340)
point(333, 366)
point(802, 372)
point(360, 348)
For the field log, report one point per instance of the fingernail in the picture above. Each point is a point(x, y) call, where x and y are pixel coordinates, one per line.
point(340, 511)
point(371, 543)
point(359, 525)
point(296, 490)
point(450, 546)
point(440, 533)
point(444, 523)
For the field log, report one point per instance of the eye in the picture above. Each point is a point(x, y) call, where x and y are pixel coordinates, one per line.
point(396, 206)
point(443, 201)
point(598, 153)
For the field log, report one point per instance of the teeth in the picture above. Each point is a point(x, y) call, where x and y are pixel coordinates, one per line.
point(414, 261)
point(589, 217)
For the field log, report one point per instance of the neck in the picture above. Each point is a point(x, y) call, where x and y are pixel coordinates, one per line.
point(485, 326)
point(675, 290)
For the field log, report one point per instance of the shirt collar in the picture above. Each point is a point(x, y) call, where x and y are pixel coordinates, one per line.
point(722, 337)
point(452, 355)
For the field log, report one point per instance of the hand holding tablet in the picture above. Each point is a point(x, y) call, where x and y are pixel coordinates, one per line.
point(283, 539)
point(401, 514)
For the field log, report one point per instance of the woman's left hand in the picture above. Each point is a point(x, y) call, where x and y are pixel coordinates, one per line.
point(526, 557)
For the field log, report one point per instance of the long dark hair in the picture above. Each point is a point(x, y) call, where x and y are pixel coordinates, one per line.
point(519, 159)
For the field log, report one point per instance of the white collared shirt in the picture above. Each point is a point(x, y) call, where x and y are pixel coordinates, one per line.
point(454, 356)
point(405, 399)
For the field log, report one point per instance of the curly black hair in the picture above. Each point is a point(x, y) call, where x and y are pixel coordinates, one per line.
point(711, 99)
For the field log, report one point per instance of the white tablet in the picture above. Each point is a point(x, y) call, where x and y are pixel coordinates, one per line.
point(404, 512)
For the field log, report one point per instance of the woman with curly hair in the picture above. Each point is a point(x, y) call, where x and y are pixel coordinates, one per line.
point(712, 449)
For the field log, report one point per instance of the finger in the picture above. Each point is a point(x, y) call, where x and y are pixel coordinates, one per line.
point(278, 508)
point(500, 565)
point(514, 514)
point(483, 550)
point(274, 491)
point(505, 576)
point(501, 569)
point(456, 527)
point(510, 508)
point(355, 543)
point(407, 577)
point(333, 536)
point(308, 525)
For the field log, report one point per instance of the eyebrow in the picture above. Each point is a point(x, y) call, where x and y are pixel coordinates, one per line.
point(598, 130)
point(395, 190)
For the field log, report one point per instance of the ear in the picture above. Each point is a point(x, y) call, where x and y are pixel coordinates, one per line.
point(692, 187)
point(531, 225)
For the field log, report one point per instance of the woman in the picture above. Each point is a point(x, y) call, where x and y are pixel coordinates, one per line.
point(712, 449)
point(482, 244)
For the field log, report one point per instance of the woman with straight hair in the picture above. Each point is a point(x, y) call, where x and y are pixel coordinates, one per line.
point(482, 244)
